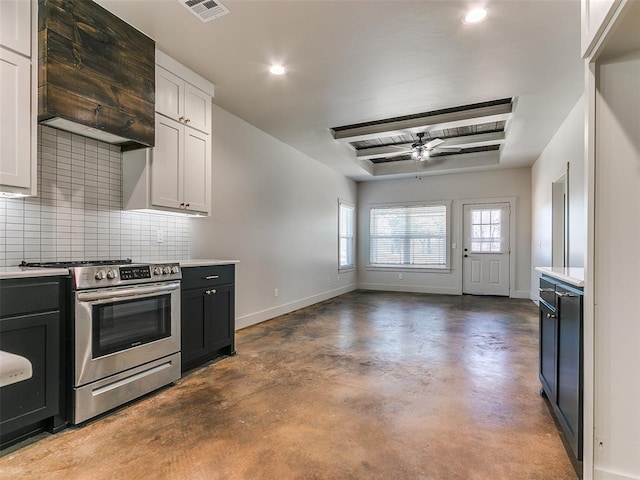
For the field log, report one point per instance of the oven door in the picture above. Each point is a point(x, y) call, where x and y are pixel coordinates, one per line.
point(121, 328)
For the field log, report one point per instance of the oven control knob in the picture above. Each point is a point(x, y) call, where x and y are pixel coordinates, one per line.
point(167, 270)
point(111, 274)
point(100, 274)
point(175, 269)
point(157, 270)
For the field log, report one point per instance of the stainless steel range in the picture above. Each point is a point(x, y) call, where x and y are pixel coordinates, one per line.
point(126, 339)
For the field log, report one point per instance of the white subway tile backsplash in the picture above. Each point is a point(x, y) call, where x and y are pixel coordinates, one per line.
point(78, 212)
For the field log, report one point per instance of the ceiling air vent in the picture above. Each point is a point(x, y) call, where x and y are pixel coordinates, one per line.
point(205, 10)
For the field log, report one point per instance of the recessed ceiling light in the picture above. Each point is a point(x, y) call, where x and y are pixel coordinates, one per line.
point(277, 70)
point(475, 15)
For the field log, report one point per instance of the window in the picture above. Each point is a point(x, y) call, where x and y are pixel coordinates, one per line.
point(414, 236)
point(346, 240)
point(486, 230)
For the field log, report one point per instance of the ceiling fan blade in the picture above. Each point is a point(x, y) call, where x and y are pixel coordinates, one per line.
point(437, 151)
point(433, 143)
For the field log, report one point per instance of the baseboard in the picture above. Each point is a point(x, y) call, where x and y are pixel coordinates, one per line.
point(521, 294)
point(269, 313)
point(605, 475)
point(409, 288)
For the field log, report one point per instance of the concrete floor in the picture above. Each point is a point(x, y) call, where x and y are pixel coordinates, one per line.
point(369, 385)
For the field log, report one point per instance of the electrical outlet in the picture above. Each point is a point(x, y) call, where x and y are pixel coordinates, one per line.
point(160, 236)
point(275, 293)
point(400, 276)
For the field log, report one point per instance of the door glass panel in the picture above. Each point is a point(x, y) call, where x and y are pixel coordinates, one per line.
point(486, 231)
point(121, 325)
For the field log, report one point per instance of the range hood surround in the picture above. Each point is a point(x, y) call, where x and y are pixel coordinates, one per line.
point(96, 74)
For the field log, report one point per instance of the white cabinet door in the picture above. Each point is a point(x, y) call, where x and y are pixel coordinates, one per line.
point(15, 121)
point(178, 99)
point(197, 108)
point(169, 93)
point(166, 161)
point(15, 25)
point(197, 171)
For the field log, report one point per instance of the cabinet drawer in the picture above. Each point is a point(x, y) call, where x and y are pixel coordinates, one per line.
point(548, 292)
point(193, 277)
point(21, 296)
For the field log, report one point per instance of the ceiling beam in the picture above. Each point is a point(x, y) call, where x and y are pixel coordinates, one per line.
point(443, 164)
point(476, 116)
point(466, 141)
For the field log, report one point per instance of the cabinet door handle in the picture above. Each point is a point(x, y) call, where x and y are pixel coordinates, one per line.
point(187, 205)
point(211, 277)
point(181, 118)
point(209, 292)
point(565, 294)
point(551, 315)
point(546, 290)
point(187, 120)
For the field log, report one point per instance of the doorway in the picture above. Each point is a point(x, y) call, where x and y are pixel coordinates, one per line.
point(486, 249)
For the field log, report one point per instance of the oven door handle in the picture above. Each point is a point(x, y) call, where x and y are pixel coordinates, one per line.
point(127, 292)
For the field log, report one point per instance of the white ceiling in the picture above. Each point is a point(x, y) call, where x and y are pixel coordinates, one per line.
point(354, 61)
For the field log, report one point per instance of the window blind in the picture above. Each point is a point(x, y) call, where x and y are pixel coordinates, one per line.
point(409, 235)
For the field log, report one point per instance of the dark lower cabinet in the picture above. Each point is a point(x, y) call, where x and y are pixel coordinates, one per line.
point(207, 314)
point(32, 326)
point(561, 357)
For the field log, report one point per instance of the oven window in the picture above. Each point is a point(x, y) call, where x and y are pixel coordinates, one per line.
point(121, 325)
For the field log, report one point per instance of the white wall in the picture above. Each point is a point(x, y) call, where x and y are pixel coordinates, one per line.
point(457, 188)
point(566, 146)
point(275, 210)
point(617, 263)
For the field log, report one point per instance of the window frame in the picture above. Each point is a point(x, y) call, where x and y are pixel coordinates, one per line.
point(411, 267)
point(350, 266)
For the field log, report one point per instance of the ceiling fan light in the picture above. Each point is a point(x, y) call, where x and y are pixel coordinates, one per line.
point(475, 15)
point(277, 70)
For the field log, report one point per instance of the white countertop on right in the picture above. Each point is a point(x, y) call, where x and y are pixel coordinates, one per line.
point(571, 275)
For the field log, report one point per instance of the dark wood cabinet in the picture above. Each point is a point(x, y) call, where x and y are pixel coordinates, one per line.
point(32, 327)
point(207, 314)
point(561, 356)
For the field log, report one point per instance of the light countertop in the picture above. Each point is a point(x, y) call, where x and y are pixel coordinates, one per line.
point(571, 275)
point(205, 262)
point(30, 272)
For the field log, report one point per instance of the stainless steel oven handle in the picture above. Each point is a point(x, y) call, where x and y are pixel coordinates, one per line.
point(127, 292)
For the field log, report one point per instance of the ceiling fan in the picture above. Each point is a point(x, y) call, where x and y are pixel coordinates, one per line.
point(421, 151)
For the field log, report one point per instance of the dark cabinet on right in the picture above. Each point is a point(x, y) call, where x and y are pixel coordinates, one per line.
point(207, 314)
point(561, 356)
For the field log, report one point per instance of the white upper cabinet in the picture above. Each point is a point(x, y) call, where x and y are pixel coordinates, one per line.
point(15, 25)
point(175, 175)
point(182, 101)
point(596, 15)
point(18, 101)
point(15, 138)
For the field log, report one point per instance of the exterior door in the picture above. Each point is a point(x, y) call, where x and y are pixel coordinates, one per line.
point(486, 249)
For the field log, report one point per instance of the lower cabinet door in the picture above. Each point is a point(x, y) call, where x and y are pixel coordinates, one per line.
point(195, 330)
point(35, 337)
point(221, 316)
point(569, 387)
point(548, 350)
